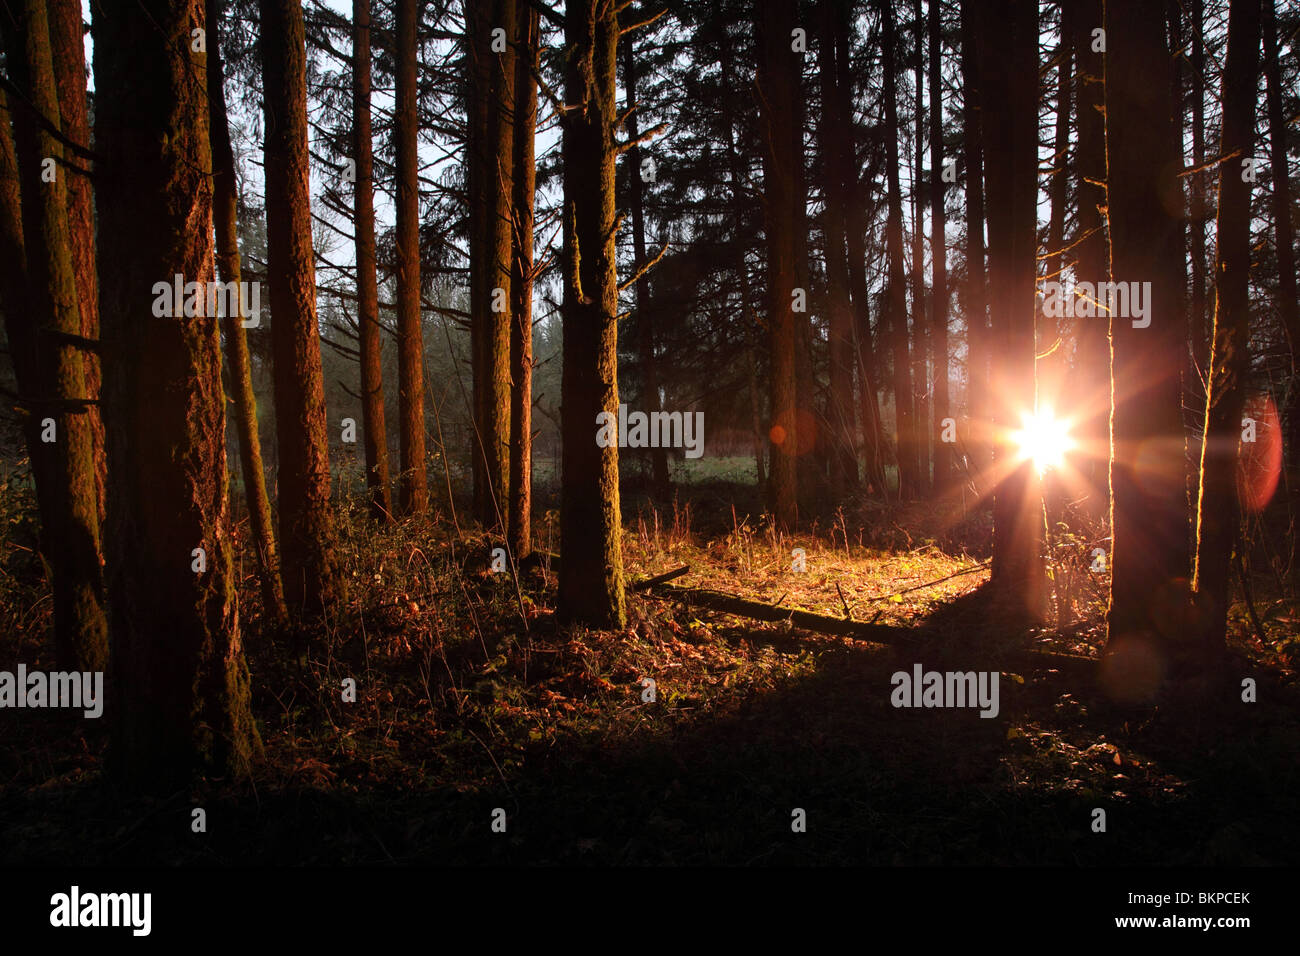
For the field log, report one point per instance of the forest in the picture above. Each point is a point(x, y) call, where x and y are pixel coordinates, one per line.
point(649, 432)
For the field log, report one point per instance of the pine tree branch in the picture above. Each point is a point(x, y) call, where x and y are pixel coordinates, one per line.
point(644, 269)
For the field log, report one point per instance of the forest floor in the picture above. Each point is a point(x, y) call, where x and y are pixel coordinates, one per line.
point(470, 698)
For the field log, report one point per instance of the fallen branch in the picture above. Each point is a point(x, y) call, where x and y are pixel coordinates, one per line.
point(661, 578)
point(956, 574)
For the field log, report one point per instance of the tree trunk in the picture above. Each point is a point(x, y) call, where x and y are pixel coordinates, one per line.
point(180, 685)
point(224, 212)
point(591, 576)
point(1149, 560)
point(1052, 368)
point(896, 288)
point(372, 364)
point(833, 132)
point(939, 254)
point(1198, 320)
point(414, 485)
point(67, 42)
point(644, 314)
point(811, 461)
point(874, 448)
point(776, 92)
point(978, 430)
point(1284, 239)
point(21, 331)
point(920, 334)
point(478, 165)
point(750, 318)
point(310, 571)
point(494, 426)
point(1007, 41)
point(1090, 405)
point(70, 518)
point(521, 329)
point(1217, 509)
point(1198, 332)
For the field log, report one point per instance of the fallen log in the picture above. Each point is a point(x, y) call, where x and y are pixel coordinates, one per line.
point(825, 624)
point(808, 620)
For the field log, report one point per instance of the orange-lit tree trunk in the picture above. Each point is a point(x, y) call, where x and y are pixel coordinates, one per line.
point(70, 510)
point(782, 139)
point(591, 576)
point(521, 285)
point(479, 162)
point(1217, 508)
point(1149, 515)
point(495, 427)
point(180, 687)
point(67, 43)
point(372, 367)
point(224, 212)
point(1007, 41)
point(414, 497)
point(13, 282)
point(312, 581)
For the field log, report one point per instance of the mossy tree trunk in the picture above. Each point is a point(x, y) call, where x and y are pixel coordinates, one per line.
point(521, 284)
point(180, 691)
point(1217, 508)
point(591, 576)
point(224, 213)
point(70, 509)
point(67, 43)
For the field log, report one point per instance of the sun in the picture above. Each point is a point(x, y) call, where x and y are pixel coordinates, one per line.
point(1044, 438)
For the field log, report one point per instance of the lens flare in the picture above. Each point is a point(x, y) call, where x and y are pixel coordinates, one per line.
point(1043, 438)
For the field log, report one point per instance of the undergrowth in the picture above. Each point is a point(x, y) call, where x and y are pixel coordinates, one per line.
point(470, 697)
